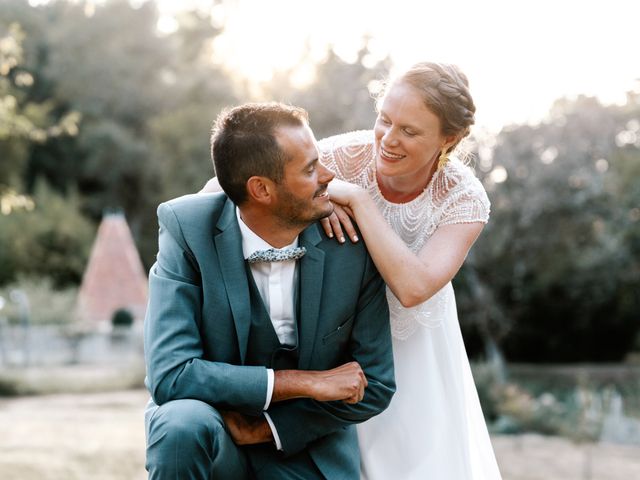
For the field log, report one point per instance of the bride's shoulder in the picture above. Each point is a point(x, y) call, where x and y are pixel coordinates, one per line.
point(349, 155)
point(351, 140)
point(457, 185)
point(459, 175)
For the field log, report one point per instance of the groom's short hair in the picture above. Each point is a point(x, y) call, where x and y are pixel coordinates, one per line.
point(244, 144)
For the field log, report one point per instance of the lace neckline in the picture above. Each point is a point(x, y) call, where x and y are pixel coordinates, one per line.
point(417, 200)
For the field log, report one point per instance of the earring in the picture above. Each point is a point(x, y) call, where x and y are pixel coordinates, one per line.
point(443, 159)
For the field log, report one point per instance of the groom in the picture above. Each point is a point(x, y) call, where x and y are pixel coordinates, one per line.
point(265, 341)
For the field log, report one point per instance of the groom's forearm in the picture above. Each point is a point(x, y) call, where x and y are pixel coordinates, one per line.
point(346, 383)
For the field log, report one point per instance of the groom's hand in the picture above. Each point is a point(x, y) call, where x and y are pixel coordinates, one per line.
point(247, 430)
point(346, 382)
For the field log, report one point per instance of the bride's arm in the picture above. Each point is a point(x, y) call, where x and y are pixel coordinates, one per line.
point(412, 278)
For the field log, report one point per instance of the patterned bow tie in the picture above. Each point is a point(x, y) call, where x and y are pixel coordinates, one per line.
point(275, 255)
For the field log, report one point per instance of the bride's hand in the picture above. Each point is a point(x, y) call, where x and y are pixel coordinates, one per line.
point(344, 193)
point(339, 222)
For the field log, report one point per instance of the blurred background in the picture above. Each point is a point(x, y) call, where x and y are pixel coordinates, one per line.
point(105, 111)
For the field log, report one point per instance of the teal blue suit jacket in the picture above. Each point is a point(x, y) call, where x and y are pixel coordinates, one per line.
point(197, 328)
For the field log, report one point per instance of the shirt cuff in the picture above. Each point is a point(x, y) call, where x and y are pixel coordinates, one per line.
point(270, 381)
point(276, 438)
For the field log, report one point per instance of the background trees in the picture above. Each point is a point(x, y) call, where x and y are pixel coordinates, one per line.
point(560, 254)
point(98, 110)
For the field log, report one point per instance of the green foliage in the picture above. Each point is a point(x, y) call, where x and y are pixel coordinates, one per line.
point(109, 113)
point(52, 240)
point(23, 122)
point(146, 101)
point(560, 253)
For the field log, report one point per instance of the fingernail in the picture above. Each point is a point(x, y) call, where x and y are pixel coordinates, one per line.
point(341, 239)
point(355, 238)
point(330, 234)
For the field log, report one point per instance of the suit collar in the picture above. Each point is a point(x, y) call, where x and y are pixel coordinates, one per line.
point(311, 279)
point(228, 243)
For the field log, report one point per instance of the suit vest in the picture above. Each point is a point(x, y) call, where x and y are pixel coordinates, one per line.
point(264, 347)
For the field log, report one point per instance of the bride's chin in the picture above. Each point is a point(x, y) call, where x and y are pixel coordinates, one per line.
point(383, 169)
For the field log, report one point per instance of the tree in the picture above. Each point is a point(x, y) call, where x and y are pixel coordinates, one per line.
point(23, 123)
point(338, 99)
point(559, 250)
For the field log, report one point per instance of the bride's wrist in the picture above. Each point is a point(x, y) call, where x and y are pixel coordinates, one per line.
point(360, 200)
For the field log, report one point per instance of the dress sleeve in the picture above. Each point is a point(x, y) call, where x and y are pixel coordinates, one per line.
point(467, 203)
point(349, 155)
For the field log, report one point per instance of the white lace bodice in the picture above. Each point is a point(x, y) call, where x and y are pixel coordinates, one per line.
point(454, 195)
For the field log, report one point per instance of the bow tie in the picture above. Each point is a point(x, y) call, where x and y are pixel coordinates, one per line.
point(275, 255)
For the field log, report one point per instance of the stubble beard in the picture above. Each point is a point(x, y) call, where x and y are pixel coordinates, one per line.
point(292, 215)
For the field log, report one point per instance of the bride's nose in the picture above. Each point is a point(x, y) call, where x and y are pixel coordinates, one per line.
point(390, 137)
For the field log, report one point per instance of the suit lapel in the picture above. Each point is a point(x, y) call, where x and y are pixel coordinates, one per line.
point(311, 277)
point(234, 274)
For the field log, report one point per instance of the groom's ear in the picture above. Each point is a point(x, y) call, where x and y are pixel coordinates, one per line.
point(261, 190)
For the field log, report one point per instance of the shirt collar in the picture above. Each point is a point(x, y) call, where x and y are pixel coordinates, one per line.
point(251, 242)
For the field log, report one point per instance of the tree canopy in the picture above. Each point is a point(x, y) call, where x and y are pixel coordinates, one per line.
point(98, 110)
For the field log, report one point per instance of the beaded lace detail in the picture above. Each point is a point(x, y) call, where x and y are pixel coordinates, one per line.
point(454, 195)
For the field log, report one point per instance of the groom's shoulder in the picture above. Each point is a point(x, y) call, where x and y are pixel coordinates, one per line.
point(196, 203)
point(340, 252)
point(200, 209)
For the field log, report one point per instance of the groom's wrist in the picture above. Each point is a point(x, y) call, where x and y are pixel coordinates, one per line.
point(290, 384)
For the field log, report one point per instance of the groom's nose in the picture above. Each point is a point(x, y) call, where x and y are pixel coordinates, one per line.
point(324, 174)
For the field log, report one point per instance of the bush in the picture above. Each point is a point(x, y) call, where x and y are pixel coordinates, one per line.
point(47, 305)
point(52, 240)
point(122, 318)
point(571, 402)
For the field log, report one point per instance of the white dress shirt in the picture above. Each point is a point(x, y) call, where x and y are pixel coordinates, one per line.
point(276, 283)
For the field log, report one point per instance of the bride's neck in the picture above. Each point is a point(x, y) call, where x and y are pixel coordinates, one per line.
point(402, 189)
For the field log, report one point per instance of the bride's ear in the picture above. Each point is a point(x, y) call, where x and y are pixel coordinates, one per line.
point(450, 141)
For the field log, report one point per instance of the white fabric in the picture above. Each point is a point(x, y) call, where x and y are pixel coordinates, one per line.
point(274, 431)
point(434, 427)
point(270, 382)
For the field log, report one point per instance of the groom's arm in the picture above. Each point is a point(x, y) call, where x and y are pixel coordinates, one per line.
point(300, 422)
point(346, 382)
point(174, 353)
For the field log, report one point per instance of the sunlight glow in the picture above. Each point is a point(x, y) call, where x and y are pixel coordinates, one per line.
point(498, 174)
point(549, 155)
point(167, 24)
point(519, 57)
point(602, 165)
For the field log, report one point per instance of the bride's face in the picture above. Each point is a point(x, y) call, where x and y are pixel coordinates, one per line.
point(408, 135)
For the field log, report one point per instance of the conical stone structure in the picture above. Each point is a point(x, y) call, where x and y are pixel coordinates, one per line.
point(114, 278)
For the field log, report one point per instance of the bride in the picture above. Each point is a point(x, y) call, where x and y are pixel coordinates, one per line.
point(419, 210)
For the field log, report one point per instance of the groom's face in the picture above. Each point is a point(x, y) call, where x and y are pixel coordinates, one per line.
point(302, 196)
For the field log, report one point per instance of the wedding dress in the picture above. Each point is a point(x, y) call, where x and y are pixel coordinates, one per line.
point(434, 428)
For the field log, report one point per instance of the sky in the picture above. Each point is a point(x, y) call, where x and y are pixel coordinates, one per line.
point(519, 55)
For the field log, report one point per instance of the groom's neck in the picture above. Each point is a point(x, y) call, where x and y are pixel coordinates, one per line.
point(269, 227)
